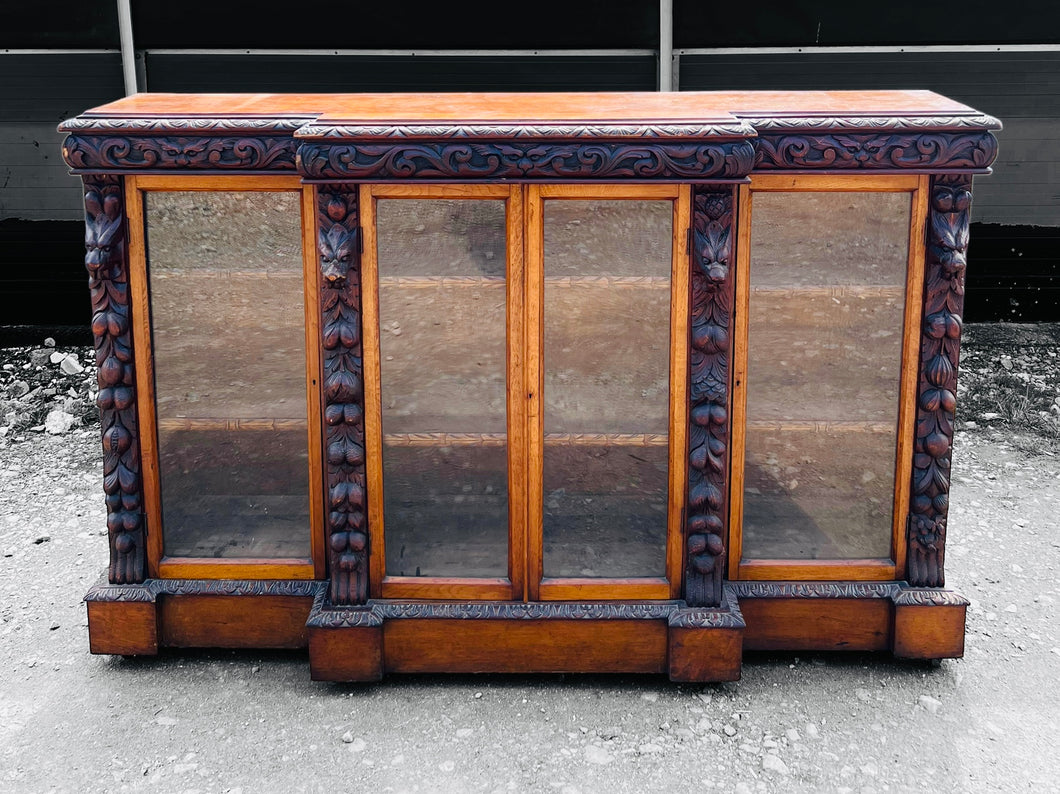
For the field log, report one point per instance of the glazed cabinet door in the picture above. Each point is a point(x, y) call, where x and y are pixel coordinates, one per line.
point(520, 393)
point(231, 442)
point(829, 282)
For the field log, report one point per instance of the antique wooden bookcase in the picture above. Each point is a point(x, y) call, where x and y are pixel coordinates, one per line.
point(568, 382)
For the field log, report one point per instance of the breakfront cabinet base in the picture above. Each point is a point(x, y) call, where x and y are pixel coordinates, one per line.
point(364, 642)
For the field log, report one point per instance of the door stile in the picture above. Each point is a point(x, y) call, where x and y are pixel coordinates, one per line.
point(534, 389)
point(515, 284)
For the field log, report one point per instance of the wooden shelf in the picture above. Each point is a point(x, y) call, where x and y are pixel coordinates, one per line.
point(830, 291)
point(822, 426)
point(230, 424)
point(500, 439)
point(613, 282)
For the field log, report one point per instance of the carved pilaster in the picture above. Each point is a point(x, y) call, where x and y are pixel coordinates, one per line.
point(708, 460)
point(338, 249)
point(108, 283)
point(947, 245)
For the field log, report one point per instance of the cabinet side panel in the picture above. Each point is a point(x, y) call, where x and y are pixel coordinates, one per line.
point(949, 214)
point(710, 361)
point(106, 258)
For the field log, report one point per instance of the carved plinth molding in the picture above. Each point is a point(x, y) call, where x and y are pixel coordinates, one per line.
point(949, 214)
point(709, 364)
point(338, 251)
point(106, 259)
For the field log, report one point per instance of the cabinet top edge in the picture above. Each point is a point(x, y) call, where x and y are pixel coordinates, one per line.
point(574, 115)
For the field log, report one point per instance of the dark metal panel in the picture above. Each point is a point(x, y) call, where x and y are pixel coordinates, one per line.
point(829, 23)
point(62, 24)
point(292, 74)
point(412, 24)
point(57, 86)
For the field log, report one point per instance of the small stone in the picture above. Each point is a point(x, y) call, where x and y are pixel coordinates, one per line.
point(792, 735)
point(773, 763)
point(1006, 362)
point(42, 539)
point(1011, 608)
point(811, 730)
point(607, 734)
point(59, 422)
point(650, 749)
point(18, 389)
point(597, 755)
point(347, 737)
point(357, 745)
point(71, 366)
point(684, 734)
point(56, 357)
point(863, 695)
point(478, 696)
point(651, 697)
point(53, 627)
point(49, 342)
point(447, 766)
point(929, 704)
point(729, 730)
point(167, 721)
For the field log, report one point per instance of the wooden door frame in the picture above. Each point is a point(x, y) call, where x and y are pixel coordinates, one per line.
point(512, 587)
point(158, 564)
point(667, 586)
point(867, 569)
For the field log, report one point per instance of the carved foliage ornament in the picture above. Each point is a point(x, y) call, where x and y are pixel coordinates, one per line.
point(712, 301)
point(340, 295)
point(879, 151)
point(108, 283)
point(112, 153)
point(467, 160)
point(949, 216)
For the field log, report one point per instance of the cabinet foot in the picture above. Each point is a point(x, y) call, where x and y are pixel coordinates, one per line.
point(345, 642)
point(928, 623)
point(122, 620)
point(706, 643)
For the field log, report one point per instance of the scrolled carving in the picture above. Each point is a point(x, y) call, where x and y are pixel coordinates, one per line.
point(709, 427)
point(874, 151)
point(473, 160)
point(340, 297)
point(925, 597)
point(199, 153)
point(108, 284)
point(947, 245)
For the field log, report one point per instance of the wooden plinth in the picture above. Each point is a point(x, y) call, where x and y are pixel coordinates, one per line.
point(125, 628)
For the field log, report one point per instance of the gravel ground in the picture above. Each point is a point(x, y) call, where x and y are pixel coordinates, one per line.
point(251, 721)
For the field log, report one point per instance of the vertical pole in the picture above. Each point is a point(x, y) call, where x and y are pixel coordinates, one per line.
point(666, 45)
point(128, 54)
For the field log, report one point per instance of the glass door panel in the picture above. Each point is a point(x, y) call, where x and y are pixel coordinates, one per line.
point(606, 354)
point(826, 301)
point(442, 292)
point(225, 276)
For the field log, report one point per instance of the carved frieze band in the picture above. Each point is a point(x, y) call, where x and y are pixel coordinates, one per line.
point(949, 215)
point(725, 616)
point(490, 160)
point(874, 151)
point(338, 250)
point(969, 121)
point(198, 125)
point(197, 153)
point(749, 589)
point(106, 259)
point(709, 363)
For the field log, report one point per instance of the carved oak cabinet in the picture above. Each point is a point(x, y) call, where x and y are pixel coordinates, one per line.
point(567, 382)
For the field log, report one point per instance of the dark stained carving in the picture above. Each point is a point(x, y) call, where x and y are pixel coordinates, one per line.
point(340, 296)
point(947, 245)
point(550, 131)
point(199, 153)
point(467, 160)
point(108, 283)
point(709, 426)
point(922, 597)
point(150, 589)
point(911, 123)
point(747, 589)
point(199, 125)
point(726, 615)
point(886, 151)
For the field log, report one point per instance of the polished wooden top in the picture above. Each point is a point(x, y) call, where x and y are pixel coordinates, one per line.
point(535, 107)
